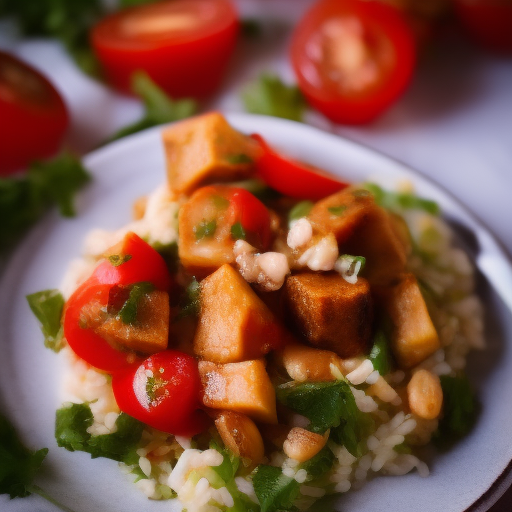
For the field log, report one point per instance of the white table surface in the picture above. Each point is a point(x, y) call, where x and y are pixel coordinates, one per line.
point(454, 124)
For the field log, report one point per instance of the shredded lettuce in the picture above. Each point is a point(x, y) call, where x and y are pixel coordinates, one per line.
point(47, 306)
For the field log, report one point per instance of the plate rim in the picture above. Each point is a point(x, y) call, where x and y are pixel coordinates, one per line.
point(504, 480)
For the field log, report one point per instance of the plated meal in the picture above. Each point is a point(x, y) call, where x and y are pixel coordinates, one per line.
point(262, 334)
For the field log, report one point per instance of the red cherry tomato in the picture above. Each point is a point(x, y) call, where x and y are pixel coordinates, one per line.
point(84, 342)
point(183, 45)
point(352, 58)
point(135, 262)
point(253, 216)
point(293, 178)
point(489, 22)
point(163, 392)
point(33, 117)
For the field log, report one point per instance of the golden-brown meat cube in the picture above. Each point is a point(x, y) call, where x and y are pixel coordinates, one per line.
point(240, 435)
point(234, 323)
point(329, 312)
point(148, 334)
point(414, 336)
point(241, 387)
point(206, 149)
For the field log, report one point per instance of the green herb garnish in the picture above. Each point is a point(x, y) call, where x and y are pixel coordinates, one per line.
point(337, 210)
point(379, 354)
point(47, 306)
point(190, 303)
point(237, 231)
point(118, 259)
point(274, 490)
point(221, 203)
point(270, 96)
point(239, 159)
point(205, 229)
point(160, 108)
point(24, 200)
point(71, 426)
point(129, 310)
point(397, 201)
point(300, 210)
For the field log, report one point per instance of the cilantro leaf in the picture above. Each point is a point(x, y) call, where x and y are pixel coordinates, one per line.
point(318, 465)
point(128, 312)
point(397, 201)
point(205, 229)
point(300, 210)
point(190, 302)
point(380, 354)
point(18, 464)
point(321, 402)
point(274, 490)
point(271, 97)
point(160, 108)
point(47, 306)
point(64, 20)
point(460, 410)
point(24, 200)
point(237, 231)
point(169, 253)
point(71, 426)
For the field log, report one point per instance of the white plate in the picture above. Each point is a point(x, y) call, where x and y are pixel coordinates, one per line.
point(464, 478)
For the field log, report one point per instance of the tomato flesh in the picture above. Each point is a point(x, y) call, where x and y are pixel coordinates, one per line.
point(293, 178)
point(163, 392)
point(352, 58)
point(134, 261)
point(32, 113)
point(183, 45)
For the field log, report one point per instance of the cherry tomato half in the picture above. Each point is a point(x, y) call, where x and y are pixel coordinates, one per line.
point(293, 178)
point(134, 261)
point(352, 58)
point(82, 339)
point(183, 45)
point(163, 392)
point(489, 22)
point(33, 117)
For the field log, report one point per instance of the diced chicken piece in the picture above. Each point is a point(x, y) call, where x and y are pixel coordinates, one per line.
point(304, 363)
point(414, 336)
point(241, 387)
point(377, 240)
point(149, 334)
point(234, 323)
point(341, 213)
point(204, 230)
point(206, 149)
point(329, 312)
point(240, 435)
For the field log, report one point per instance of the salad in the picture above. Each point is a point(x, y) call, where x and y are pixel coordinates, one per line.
point(262, 334)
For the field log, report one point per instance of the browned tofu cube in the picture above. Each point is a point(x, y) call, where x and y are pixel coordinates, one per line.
point(341, 213)
point(377, 239)
point(331, 313)
point(414, 336)
point(206, 149)
point(240, 435)
point(234, 323)
point(150, 332)
point(241, 387)
point(305, 363)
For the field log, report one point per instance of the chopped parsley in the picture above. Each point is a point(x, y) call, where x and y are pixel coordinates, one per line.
point(191, 300)
point(337, 211)
point(118, 259)
point(47, 306)
point(205, 229)
point(221, 203)
point(237, 231)
point(380, 354)
point(129, 310)
point(300, 210)
point(274, 490)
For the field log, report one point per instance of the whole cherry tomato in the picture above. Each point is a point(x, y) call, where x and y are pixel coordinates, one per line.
point(183, 45)
point(352, 58)
point(163, 392)
point(80, 315)
point(489, 22)
point(33, 117)
point(293, 178)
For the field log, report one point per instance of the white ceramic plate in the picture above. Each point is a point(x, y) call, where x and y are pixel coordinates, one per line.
point(471, 476)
